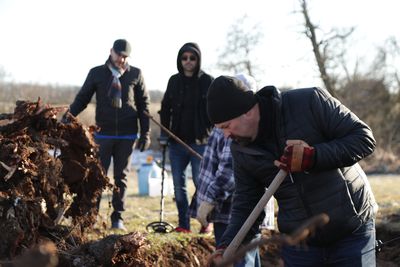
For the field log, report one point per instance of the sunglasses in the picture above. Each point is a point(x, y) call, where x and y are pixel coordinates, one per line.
point(191, 58)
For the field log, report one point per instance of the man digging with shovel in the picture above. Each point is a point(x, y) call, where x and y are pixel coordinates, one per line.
point(318, 142)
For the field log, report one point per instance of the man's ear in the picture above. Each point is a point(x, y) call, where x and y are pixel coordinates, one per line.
point(251, 112)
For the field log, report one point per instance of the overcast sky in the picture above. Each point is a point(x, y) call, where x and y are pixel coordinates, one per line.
point(58, 41)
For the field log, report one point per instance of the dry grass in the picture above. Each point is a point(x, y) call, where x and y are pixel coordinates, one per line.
point(142, 210)
point(387, 194)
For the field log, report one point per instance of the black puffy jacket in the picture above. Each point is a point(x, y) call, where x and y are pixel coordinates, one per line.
point(336, 185)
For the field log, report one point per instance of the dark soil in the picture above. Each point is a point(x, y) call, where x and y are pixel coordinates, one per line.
point(389, 253)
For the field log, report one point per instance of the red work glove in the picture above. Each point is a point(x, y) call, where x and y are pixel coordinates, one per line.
point(297, 156)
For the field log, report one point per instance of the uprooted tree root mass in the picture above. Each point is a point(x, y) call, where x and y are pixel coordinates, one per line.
point(48, 170)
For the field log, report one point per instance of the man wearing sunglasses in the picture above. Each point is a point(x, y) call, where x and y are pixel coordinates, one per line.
point(183, 112)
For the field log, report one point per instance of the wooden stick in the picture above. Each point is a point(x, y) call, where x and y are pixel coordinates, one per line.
point(237, 240)
point(297, 237)
point(176, 138)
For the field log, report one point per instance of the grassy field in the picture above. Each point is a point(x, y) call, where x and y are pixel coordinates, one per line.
point(142, 210)
point(387, 194)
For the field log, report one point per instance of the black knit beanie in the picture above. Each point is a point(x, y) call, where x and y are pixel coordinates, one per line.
point(228, 98)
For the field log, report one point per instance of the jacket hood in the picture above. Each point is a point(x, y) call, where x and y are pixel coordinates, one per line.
point(189, 47)
point(269, 91)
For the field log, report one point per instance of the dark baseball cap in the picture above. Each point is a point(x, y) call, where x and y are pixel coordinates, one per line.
point(122, 47)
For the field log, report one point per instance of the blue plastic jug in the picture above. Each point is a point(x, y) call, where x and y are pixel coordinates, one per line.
point(143, 178)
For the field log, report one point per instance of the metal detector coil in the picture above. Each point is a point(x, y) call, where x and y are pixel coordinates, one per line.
point(159, 227)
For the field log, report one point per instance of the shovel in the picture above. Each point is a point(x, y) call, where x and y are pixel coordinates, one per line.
point(233, 246)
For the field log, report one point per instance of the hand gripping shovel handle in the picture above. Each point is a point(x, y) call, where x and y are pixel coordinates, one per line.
point(233, 246)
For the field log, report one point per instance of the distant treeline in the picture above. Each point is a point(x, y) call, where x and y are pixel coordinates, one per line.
point(370, 99)
point(52, 94)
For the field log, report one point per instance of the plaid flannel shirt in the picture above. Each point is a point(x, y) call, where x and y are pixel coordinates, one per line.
point(215, 183)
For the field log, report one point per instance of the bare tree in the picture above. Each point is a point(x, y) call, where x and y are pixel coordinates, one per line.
point(241, 40)
point(324, 55)
point(373, 92)
point(384, 65)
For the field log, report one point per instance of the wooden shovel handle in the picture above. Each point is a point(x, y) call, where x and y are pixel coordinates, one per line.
point(233, 246)
point(176, 138)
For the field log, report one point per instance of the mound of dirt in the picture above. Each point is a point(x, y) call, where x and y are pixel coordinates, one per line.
point(48, 170)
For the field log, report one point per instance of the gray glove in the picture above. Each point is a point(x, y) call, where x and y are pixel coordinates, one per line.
point(203, 211)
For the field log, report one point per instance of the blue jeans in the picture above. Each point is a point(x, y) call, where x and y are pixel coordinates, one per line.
point(219, 229)
point(180, 158)
point(355, 250)
point(252, 257)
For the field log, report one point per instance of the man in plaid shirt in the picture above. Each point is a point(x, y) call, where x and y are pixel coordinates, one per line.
point(215, 184)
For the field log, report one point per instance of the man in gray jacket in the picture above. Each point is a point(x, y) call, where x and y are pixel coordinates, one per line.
point(267, 128)
point(121, 99)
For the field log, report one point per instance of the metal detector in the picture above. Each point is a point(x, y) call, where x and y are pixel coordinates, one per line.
point(161, 226)
point(164, 227)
